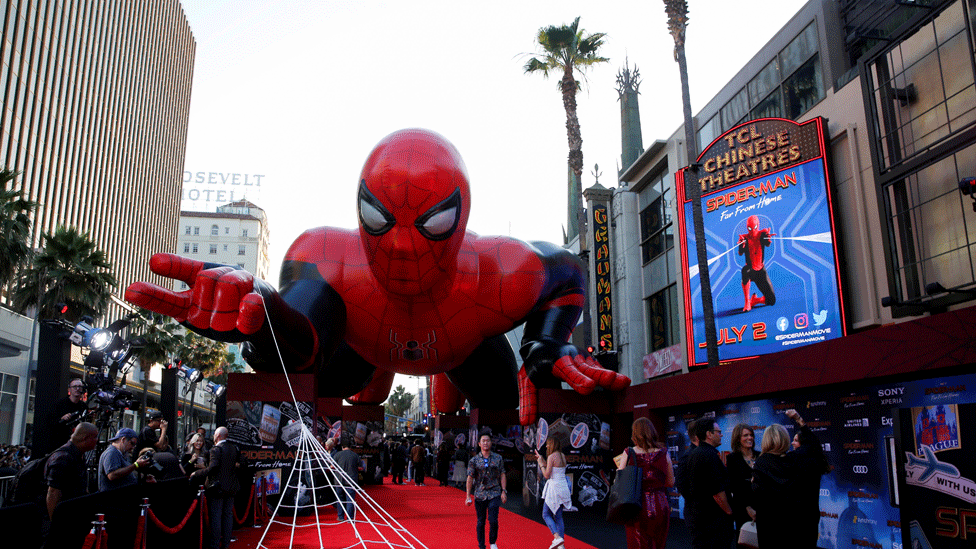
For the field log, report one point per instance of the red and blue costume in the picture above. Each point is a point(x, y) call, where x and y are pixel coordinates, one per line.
point(753, 246)
point(410, 291)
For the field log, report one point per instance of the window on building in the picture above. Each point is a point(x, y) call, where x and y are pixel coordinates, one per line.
point(241, 250)
point(922, 138)
point(186, 247)
point(195, 248)
point(214, 230)
point(735, 110)
point(662, 316)
point(244, 233)
point(213, 249)
point(240, 265)
point(187, 229)
point(657, 232)
point(8, 406)
point(225, 247)
point(226, 230)
point(708, 132)
point(196, 230)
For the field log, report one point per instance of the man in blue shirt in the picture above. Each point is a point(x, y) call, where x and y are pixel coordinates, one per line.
point(115, 469)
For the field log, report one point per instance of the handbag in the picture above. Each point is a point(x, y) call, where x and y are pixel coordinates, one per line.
point(625, 494)
point(747, 535)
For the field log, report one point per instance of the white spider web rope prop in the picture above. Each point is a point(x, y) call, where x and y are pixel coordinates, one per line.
point(315, 477)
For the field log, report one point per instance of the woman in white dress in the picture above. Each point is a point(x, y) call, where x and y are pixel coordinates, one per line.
point(556, 492)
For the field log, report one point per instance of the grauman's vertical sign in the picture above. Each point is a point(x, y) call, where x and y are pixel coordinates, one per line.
point(602, 264)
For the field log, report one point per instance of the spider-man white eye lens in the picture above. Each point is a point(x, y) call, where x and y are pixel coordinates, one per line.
point(375, 218)
point(371, 217)
point(440, 221)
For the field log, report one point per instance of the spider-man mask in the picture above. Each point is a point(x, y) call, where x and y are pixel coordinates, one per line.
point(752, 224)
point(413, 209)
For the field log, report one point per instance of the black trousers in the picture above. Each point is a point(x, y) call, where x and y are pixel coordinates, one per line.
point(487, 509)
point(710, 532)
point(418, 472)
point(221, 521)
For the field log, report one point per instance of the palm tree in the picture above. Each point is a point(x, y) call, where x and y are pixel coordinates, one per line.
point(677, 11)
point(396, 405)
point(69, 269)
point(209, 356)
point(568, 49)
point(15, 227)
point(161, 334)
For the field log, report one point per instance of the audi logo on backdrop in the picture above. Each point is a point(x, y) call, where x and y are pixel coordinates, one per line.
point(861, 469)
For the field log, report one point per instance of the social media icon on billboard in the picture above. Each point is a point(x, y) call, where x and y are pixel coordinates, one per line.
point(782, 324)
point(820, 318)
point(801, 321)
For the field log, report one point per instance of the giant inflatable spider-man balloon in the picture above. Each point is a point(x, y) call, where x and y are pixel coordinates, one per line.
point(410, 291)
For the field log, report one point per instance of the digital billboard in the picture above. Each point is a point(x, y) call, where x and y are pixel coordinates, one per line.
point(769, 234)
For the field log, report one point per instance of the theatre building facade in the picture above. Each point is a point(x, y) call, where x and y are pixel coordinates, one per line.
point(840, 226)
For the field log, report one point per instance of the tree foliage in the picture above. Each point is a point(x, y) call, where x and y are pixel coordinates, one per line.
point(399, 401)
point(15, 227)
point(568, 49)
point(69, 269)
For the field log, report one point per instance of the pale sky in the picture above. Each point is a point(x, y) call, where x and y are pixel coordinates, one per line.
point(300, 92)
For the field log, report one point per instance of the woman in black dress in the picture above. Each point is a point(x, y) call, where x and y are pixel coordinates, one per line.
point(739, 465)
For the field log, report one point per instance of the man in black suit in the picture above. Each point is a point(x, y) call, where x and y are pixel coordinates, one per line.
point(222, 485)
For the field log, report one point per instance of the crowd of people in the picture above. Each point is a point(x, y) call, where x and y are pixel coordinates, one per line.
point(12, 458)
point(775, 488)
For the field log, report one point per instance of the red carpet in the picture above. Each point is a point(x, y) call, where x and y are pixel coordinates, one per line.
point(437, 517)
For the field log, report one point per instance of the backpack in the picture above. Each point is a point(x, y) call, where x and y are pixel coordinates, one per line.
point(29, 485)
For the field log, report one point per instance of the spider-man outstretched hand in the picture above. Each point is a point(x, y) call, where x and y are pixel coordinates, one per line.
point(410, 291)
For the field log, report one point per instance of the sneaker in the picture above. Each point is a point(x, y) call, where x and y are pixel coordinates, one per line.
point(557, 542)
point(494, 546)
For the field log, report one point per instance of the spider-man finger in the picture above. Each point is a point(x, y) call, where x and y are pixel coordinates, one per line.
point(567, 368)
point(174, 266)
point(159, 300)
point(603, 377)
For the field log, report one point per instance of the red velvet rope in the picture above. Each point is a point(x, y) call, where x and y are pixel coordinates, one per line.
point(250, 498)
point(139, 533)
point(89, 541)
point(178, 527)
point(103, 544)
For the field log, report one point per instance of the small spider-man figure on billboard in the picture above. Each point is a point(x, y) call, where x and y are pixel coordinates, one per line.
point(752, 245)
point(410, 291)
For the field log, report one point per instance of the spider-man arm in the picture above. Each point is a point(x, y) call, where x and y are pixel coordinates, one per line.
point(228, 304)
point(308, 322)
point(548, 357)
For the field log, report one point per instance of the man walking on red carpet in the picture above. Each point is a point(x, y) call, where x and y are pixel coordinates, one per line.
point(486, 476)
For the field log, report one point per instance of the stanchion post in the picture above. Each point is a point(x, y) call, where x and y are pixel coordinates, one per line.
point(99, 524)
point(144, 518)
point(200, 505)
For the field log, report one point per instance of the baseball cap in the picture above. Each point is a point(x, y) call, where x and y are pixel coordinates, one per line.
point(124, 432)
point(154, 414)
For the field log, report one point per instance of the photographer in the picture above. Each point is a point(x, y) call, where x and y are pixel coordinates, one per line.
point(162, 465)
point(148, 438)
point(115, 469)
point(69, 410)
